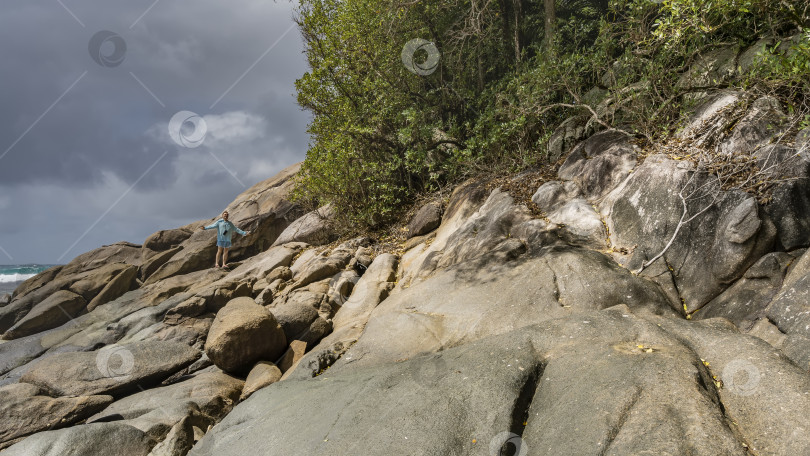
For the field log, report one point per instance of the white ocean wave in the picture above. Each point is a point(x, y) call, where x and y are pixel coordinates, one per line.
point(8, 278)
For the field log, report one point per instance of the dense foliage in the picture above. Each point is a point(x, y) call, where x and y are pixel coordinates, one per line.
point(384, 130)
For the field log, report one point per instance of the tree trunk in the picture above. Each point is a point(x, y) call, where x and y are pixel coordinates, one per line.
point(551, 20)
point(517, 12)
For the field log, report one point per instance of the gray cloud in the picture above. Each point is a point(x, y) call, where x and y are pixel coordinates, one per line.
point(106, 131)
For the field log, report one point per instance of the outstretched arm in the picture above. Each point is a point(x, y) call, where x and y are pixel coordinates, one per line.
point(211, 226)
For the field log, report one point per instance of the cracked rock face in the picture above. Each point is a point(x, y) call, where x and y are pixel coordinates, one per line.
point(601, 382)
point(727, 235)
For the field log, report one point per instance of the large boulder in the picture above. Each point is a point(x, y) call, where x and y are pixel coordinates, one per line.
point(85, 440)
point(122, 282)
point(207, 396)
point(156, 260)
point(553, 194)
point(244, 333)
point(730, 123)
point(90, 285)
point(746, 300)
point(120, 252)
point(56, 310)
point(319, 267)
point(113, 370)
point(471, 227)
point(567, 135)
point(105, 282)
point(314, 228)
point(789, 203)
point(166, 239)
point(426, 219)
point(728, 233)
point(790, 309)
point(24, 410)
point(599, 163)
point(581, 220)
point(763, 121)
point(709, 122)
point(264, 373)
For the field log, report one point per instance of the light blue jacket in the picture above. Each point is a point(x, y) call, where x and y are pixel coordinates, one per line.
point(224, 230)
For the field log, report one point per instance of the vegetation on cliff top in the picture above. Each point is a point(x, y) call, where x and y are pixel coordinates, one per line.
point(508, 73)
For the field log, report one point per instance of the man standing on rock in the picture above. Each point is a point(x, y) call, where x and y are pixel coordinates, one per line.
point(225, 230)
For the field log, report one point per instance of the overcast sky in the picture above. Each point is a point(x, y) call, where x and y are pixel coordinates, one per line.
point(84, 133)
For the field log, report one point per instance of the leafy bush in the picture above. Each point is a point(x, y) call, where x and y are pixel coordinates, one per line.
point(381, 134)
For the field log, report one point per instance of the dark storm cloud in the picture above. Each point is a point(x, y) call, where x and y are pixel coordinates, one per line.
point(110, 124)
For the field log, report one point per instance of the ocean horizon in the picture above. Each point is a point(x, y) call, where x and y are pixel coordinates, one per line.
point(12, 275)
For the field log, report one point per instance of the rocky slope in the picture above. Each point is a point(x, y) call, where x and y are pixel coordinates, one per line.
point(496, 332)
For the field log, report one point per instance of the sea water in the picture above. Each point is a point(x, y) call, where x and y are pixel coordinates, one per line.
point(11, 276)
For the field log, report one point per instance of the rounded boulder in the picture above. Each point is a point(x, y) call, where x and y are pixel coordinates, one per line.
point(242, 334)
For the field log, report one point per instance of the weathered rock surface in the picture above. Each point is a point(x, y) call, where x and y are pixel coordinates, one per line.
point(582, 221)
point(292, 355)
point(242, 334)
point(493, 295)
point(790, 308)
point(206, 397)
point(745, 301)
point(606, 382)
point(85, 440)
point(111, 370)
point(314, 228)
point(264, 373)
point(426, 219)
point(24, 410)
point(759, 125)
point(94, 284)
point(352, 317)
point(710, 252)
point(166, 239)
point(599, 163)
point(566, 136)
point(56, 310)
point(554, 194)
